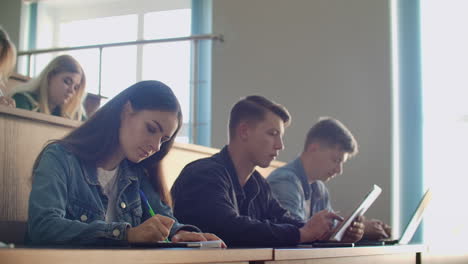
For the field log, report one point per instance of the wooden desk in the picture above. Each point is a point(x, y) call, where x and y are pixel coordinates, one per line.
point(378, 255)
point(138, 256)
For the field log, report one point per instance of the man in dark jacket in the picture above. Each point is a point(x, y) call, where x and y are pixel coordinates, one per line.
point(225, 195)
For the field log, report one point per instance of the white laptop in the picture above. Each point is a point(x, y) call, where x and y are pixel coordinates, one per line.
point(410, 228)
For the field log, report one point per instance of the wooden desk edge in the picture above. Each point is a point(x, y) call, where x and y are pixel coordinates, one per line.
point(315, 253)
point(16, 112)
point(140, 256)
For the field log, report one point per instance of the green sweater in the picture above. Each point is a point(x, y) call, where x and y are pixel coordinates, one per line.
point(26, 100)
point(29, 101)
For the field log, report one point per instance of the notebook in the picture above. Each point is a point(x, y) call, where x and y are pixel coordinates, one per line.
point(410, 228)
point(200, 244)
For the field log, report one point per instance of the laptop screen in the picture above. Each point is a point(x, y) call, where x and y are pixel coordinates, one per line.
point(416, 219)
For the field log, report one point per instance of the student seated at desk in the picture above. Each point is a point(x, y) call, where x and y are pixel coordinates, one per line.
point(7, 63)
point(224, 194)
point(299, 185)
point(86, 186)
point(58, 90)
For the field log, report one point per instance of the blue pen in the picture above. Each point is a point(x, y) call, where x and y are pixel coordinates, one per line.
point(151, 212)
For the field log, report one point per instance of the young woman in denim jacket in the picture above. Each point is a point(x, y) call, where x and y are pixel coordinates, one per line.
point(86, 186)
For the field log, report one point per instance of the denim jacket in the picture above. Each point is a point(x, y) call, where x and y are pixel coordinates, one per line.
point(67, 205)
point(290, 186)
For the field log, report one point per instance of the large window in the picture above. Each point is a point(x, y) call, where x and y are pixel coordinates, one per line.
point(445, 107)
point(80, 23)
point(118, 63)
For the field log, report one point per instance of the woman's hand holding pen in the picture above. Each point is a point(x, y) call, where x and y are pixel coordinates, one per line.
point(154, 229)
point(319, 226)
point(185, 236)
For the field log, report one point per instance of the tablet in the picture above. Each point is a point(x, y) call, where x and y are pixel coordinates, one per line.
point(368, 200)
point(200, 244)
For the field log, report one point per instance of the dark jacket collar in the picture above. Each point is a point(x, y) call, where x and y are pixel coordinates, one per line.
point(251, 186)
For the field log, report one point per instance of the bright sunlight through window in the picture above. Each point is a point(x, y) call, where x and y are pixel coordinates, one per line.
point(445, 102)
point(166, 62)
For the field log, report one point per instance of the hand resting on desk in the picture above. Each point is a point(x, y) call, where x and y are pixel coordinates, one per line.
point(376, 230)
point(157, 228)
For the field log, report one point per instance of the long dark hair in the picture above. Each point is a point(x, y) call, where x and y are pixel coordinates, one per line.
point(95, 139)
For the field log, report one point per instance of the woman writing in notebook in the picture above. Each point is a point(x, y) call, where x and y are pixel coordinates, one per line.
point(86, 186)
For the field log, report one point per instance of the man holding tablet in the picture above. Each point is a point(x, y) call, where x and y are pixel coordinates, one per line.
point(299, 185)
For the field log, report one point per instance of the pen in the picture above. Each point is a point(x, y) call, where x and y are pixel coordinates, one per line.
point(151, 212)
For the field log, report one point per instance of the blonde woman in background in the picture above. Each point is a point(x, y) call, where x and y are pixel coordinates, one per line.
point(58, 90)
point(7, 63)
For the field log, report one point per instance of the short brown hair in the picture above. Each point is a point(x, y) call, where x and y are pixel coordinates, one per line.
point(333, 133)
point(252, 109)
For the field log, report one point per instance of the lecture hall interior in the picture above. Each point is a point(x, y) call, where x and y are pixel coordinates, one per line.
point(394, 71)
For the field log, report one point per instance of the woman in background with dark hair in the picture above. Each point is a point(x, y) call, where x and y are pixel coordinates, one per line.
point(86, 186)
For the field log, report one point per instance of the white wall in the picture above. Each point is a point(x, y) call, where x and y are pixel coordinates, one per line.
point(10, 18)
point(316, 57)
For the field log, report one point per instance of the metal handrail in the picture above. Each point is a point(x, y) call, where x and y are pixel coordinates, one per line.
point(194, 82)
point(126, 43)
